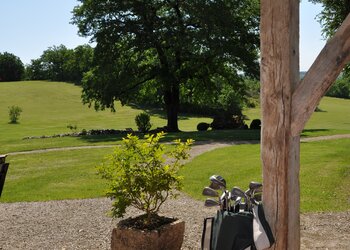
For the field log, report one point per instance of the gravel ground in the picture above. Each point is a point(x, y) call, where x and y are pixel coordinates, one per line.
point(83, 224)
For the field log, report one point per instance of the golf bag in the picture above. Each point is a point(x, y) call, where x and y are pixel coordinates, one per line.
point(237, 231)
point(263, 237)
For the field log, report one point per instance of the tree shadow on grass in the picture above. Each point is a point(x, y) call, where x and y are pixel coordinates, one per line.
point(102, 138)
point(160, 113)
point(217, 135)
point(210, 135)
point(311, 132)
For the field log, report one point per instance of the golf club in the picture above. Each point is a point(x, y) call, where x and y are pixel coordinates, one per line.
point(211, 203)
point(239, 192)
point(207, 191)
point(217, 182)
point(254, 185)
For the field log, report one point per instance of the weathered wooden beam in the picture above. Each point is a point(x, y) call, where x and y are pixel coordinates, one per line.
point(320, 77)
point(279, 149)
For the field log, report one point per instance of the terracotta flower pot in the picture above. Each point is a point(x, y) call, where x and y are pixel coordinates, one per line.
point(169, 237)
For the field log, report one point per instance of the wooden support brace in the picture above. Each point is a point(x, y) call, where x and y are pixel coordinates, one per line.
point(322, 74)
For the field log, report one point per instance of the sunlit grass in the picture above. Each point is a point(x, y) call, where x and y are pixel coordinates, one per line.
point(54, 176)
point(324, 175)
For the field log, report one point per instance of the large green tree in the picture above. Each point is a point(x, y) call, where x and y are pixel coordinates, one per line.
point(11, 67)
point(169, 44)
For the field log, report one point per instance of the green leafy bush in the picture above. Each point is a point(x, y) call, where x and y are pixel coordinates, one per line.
point(14, 113)
point(143, 122)
point(255, 124)
point(203, 126)
point(142, 174)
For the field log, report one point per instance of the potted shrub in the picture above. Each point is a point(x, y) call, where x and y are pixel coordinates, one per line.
point(142, 174)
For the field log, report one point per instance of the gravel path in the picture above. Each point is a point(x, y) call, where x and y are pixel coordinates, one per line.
point(83, 224)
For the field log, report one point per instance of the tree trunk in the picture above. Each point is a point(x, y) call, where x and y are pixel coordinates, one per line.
point(172, 102)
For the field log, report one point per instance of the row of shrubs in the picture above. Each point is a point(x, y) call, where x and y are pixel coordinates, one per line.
point(234, 123)
point(143, 122)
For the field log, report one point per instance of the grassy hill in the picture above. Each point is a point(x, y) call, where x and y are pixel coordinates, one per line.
point(48, 107)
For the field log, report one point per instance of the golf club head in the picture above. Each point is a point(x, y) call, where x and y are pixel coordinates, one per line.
point(238, 192)
point(217, 181)
point(207, 191)
point(211, 203)
point(253, 185)
point(214, 186)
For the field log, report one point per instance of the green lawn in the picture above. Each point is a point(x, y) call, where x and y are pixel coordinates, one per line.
point(334, 118)
point(48, 107)
point(324, 175)
point(54, 176)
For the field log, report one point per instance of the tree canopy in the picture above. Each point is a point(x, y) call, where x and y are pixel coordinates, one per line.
point(172, 47)
point(11, 67)
point(331, 17)
point(333, 14)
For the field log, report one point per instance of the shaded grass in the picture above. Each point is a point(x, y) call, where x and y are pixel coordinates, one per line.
point(324, 175)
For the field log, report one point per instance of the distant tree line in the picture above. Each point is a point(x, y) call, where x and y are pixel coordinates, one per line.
point(57, 63)
point(11, 68)
point(341, 88)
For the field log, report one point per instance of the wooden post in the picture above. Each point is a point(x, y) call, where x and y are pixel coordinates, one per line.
point(279, 149)
point(286, 105)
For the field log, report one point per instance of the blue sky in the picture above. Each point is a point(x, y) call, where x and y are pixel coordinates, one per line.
point(28, 27)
